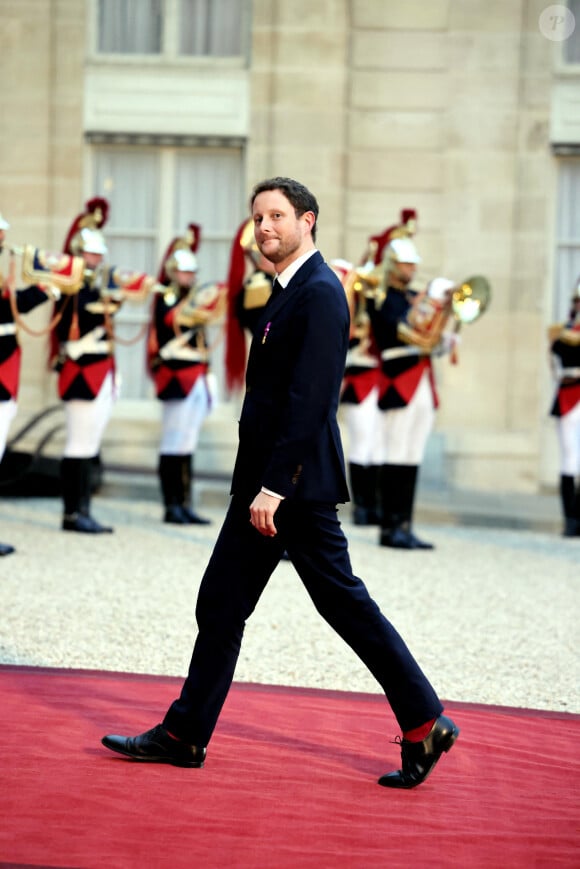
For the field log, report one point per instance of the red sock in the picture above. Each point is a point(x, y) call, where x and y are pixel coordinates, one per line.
point(173, 736)
point(418, 734)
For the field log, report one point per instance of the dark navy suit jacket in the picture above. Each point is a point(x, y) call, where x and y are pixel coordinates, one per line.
point(289, 439)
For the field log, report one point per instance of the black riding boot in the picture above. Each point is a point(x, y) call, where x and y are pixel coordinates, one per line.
point(187, 471)
point(76, 477)
point(570, 506)
point(175, 474)
point(364, 491)
point(171, 479)
point(397, 485)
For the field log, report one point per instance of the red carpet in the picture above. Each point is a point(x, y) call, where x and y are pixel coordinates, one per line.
point(289, 783)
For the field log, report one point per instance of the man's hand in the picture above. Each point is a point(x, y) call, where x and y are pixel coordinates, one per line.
point(262, 511)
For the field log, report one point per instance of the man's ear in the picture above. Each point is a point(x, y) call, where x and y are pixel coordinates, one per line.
point(310, 218)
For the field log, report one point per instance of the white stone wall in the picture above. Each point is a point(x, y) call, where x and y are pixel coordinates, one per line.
point(443, 106)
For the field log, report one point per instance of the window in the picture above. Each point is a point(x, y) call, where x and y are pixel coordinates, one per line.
point(154, 193)
point(193, 28)
point(210, 27)
point(568, 236)
point(572, 44)
point(130, 26)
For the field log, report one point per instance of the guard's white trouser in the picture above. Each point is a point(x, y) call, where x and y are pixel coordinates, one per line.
point(569, 437)
point(363, 426)
point(7, 414)
point(405, 430)
point(182, 419)
point(86, 422)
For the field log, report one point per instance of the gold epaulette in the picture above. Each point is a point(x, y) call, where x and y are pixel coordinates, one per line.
point(257, 291)
point(570, 337)
point(554, 332)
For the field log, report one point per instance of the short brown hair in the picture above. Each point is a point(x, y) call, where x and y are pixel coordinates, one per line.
point(297, 194)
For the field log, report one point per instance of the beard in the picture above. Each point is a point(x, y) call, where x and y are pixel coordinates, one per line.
point(286, 247)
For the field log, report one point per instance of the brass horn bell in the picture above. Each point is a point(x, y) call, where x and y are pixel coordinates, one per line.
point(471, 298)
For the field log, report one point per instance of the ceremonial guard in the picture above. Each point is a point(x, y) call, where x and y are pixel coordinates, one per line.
point(359, 404)
point(13, 302)
point(83, 356)
point(406, 327)
point(377, 243)
point(565, 357)
point(359, 397)
point(250, 279)
point(179, 360)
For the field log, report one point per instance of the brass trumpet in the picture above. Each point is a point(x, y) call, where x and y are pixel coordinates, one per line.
point(117, 285)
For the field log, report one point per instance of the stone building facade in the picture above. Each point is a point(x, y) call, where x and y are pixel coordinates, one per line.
point(466, 110)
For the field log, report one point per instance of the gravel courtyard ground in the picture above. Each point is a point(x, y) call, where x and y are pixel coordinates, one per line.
point(491, 614)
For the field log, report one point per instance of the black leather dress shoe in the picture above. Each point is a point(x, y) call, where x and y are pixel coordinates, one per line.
point(156, 746)
point(419, 758)
point(178, 514)
point(84, 523)
point(192, 518)
point(6, 549)
point(402, 538)
point(174, 515)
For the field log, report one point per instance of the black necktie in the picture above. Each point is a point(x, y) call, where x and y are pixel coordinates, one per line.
point(276, 288)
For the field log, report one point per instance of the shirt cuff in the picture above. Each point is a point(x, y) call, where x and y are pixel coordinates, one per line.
point(273, 494)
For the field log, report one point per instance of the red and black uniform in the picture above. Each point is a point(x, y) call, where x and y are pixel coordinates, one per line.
point(82, 352)
point(85, 349)
point(361, 384)
point(567, 397)
point(10, 358)
point(360, 379)
point(565, 350)
point(86, 384)
point(407, 399)
point(178, 360)
point(402, 364)
point(10, 350)
point(360, 414)
point(179, 355)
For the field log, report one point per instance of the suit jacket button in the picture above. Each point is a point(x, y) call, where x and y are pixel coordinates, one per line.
point(297, 473)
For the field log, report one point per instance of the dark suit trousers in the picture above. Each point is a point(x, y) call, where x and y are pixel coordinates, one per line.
point(238, 571)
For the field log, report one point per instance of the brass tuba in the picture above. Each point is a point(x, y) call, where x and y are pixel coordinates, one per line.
point(470, 299)
point(442, 302)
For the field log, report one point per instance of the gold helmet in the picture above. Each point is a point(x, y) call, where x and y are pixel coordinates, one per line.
point(187, 243)
point(93, 217)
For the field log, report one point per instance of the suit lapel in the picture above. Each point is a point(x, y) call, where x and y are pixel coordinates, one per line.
point(281, 295)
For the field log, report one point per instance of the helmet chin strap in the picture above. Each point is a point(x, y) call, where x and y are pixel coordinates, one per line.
point(400, 282)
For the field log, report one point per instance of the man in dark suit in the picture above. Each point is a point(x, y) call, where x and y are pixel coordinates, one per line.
point(288, 477)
